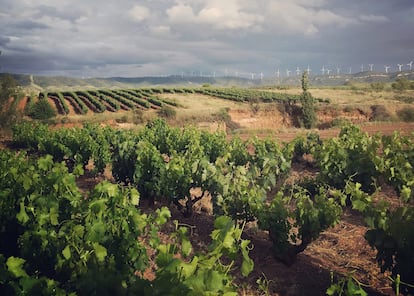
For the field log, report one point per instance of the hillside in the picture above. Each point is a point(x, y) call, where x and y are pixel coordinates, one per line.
point(59, 82)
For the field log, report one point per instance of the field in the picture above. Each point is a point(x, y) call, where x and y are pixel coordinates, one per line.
point(341, 248)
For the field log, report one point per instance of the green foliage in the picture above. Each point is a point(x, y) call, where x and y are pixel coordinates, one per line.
point(54, 241)
point(378, 86)
point(308, 117)
point(309, 213)
point(347, 286)
point(9, 88)
point(401, 84)
point(42, 110)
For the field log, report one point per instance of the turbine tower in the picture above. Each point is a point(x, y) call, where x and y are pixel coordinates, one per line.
point(399, 67)
point(277, 73)
point(338, 70)
point(410, 64)
point(370, 67)
point(323, 70)
point(328, 71)
point(386, 68)
point(362, 68)
point(261, 75)
point(287, 72)
point(297, 71)
point(308, 70)
point(252, 75)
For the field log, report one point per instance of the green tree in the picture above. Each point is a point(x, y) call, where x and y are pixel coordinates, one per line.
point(308, 104)
point(401, 84)
point(42, 110)
point(8, 88)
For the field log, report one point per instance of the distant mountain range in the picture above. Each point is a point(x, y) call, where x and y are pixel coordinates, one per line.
point(38, 83)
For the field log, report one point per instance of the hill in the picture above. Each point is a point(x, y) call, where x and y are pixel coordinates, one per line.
point(61, 82)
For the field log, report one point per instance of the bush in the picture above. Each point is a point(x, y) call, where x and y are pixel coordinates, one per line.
point(378, 86)
point(401, 84)
point(167, 112)
point(406, 114)
point(42, 110)
point(380, 113)
point(138, 116)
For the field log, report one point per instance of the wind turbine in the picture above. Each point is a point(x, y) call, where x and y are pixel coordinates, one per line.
point(328, 71)
point(410, 64)
point(252, 75)
point(297, 71)
point(278, 73)
point(308, 70)
point(261, 75)
point(399, 67)
point(386, 68)
point(362, 68)
point(287, 72)
point(323, 70)
point(370, 67)
point(338, 70)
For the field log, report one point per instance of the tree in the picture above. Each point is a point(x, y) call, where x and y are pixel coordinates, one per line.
point(8, 88)
point(308, 105)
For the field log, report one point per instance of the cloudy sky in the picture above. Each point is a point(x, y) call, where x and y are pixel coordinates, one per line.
point(100, 38)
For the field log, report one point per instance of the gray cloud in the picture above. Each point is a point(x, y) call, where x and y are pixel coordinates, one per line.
point(157, 37)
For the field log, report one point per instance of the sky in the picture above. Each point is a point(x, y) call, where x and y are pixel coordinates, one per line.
point(100, 38)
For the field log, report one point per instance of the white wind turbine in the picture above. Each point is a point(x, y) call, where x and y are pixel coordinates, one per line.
point(323, 70)
point(277, 73)
point(362, 68)
point(328, 71)
point(297, 71)
point(386, 68)
point(399, 67)
point(287, 72)
point(410, 64)
point(338, 70)
point(252, 75)
point(370, 67)
point(308, 70)
point(261, 75)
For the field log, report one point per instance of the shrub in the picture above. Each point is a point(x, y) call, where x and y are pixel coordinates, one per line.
point(378, 86)
point(42, 110)
point(167, 112)
point(401, 84)
point(380, 113)
point(138, 116)
point(406, 114)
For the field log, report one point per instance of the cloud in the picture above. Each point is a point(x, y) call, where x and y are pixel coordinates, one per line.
point(139, 13)
point(373, 18)
point(200, 35)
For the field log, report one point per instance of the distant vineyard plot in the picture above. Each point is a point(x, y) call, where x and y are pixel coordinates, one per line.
point(98, 101)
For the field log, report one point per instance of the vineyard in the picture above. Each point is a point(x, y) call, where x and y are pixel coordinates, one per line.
point(57, 239)
point(98, 101)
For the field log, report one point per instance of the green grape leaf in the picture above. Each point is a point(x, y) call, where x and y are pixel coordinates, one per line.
point(15, 266)
point(22, 216)
point(134, 197)
point(66, 252)
point(100, 251)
